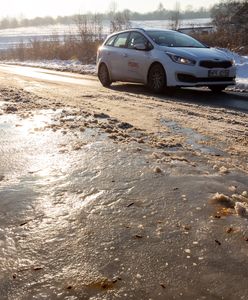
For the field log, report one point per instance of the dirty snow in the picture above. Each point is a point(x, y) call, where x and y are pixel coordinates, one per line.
point(242, 70)
point(241, 209)
point(59, 65)
point(77, 67)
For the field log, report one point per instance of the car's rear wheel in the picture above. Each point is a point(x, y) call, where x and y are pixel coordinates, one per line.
point(156, 78)
point(103, 75)
point(217, 88)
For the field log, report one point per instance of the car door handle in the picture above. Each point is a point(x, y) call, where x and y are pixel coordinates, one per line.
point(125, 55)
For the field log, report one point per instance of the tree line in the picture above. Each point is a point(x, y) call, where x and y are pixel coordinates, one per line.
point(159, 14)
point(229, 17)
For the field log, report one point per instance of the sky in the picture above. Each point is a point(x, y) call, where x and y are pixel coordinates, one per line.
point(33, 8)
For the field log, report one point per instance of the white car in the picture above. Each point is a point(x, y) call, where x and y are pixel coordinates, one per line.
point(163, 58)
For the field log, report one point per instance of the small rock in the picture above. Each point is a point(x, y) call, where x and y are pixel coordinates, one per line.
point(113, 136)
point(124, 125)
point(217, 216)
point(239, 198)
point(69, 287)
point(10, 109)
point(245, 194)
point(107, 284)
point(232, 188)
point(155, 155)
point(158, 170)
point(229, 230)
point(101, 115)
point(186, 227)
point(223, 200)
point(223, 170)
point(76, 147)
point(37, 268)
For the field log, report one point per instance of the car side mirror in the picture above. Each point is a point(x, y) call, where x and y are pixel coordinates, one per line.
point(140, 46)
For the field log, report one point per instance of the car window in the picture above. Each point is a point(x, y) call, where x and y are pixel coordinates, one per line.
point(174, 39)
point(111, 40)
point(121, 40)
point(136, 38)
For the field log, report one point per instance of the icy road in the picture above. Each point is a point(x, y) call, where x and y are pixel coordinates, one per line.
point(229, 99)
point(118, 193)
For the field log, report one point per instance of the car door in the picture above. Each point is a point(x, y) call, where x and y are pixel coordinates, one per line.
point(117, 55)
point(137, 62)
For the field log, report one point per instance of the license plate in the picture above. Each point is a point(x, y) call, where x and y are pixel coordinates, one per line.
point(218, 73)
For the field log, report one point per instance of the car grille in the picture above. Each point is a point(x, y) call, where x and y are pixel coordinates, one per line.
point(210, 64)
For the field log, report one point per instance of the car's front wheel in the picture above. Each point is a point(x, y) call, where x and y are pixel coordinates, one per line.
point(103, 75)
point(156, 80)
point(217, 88)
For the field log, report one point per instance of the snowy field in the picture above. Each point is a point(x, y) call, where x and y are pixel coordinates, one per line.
point(11, 37)
point(77, 67)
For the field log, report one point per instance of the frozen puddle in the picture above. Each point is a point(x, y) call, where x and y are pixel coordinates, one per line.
point(95, 221)
point(193, 138)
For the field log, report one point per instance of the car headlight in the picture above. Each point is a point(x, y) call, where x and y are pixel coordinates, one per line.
point(181, 60)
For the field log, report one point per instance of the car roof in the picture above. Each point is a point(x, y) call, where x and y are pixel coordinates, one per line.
point(142, 30)
point(159, 29)
point(139, 29)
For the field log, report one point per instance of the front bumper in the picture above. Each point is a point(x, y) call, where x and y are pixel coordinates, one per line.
point(191, 79)
point(183, 75)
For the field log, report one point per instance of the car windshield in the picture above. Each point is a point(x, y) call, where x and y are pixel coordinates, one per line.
point(174, 39)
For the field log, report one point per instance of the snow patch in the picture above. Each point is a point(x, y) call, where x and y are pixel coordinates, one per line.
point(241, 209)
point(74, 66)
point(241, 63)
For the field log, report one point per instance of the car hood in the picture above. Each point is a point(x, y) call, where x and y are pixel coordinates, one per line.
point(198, 53)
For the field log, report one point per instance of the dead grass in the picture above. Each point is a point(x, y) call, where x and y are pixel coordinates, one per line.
point(70, 48)
point(225, 39)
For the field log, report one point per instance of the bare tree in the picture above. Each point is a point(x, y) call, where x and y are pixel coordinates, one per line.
point(230, 18)
point(118, 20)
point(89, 27)
point(97, 26)
point(175, 18)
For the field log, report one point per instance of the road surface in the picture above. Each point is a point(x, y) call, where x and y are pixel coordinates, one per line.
point(229, 99)
point(118, 193)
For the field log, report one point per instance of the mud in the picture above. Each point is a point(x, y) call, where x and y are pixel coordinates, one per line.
point(93, 206)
